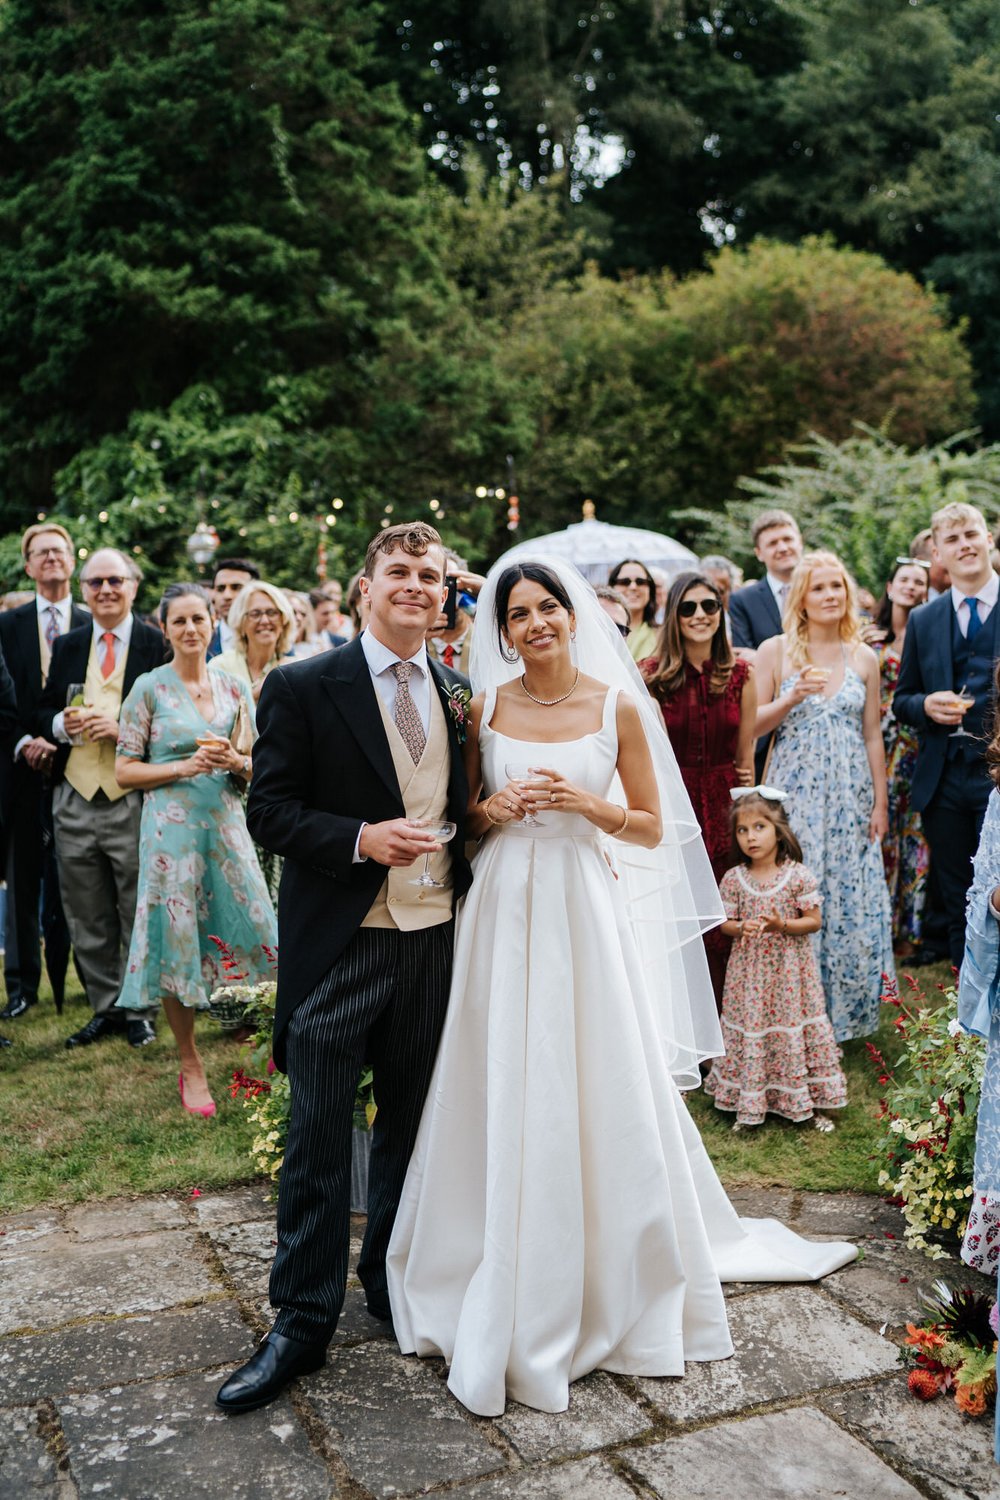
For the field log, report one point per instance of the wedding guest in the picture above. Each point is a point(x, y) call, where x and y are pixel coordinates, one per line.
point(818, 687)
point(945, 692)
point(8, 734)
point(231, 575)
point(636, 584)
point(263, 627)
point(357, 604)
point(449, 644)
point(661, 580)
point(724, 576)
point(34, 902)
point(339, 623)
point(197, 871)
point(305, 642)
point(327, 619)
point(756, 610)
point(781, 1057)
point(97, 821)
point(614, 605)
point(16, 599)
point(709, 705)
point(922, 550)
point(904, 848)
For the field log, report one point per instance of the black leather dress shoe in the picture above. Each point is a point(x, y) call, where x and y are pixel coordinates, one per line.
point(95, 1030)
point(18, 1006)
point(274, 1362)
point(139, 1031)
point(379, 1309)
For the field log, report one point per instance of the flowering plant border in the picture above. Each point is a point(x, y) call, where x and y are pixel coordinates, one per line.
point(955, 1349)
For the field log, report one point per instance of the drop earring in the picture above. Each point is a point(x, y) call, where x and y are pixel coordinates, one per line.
point(508, 652)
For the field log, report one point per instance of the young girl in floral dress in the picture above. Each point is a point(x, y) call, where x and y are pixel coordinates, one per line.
point(781, 1056)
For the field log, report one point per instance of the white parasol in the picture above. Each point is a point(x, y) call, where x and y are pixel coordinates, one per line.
point(595, 547)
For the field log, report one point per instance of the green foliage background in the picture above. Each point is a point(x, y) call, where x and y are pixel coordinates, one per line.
point(260, 255)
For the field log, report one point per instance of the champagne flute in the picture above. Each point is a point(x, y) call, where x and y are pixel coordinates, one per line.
point(75, 699)
point(525, 776)
point(443, 832)
point(209, 737)
point(963, 701)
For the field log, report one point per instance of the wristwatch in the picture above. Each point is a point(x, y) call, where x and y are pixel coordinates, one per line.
point(246, 765)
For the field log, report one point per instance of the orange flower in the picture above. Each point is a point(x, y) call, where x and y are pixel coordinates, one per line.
point(924, 1339)
point(923, 1384)
point(971, 1399)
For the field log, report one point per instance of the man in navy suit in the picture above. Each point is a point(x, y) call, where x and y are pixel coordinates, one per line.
point(27, 636)
point(755, 611)
point(952, 643)
point(231, 573)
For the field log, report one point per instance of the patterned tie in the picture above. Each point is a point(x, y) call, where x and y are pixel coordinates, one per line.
point(53, 627)
point(449, 655)
point(108, 664)
point(975, 623)
point(407, 717)
point(783, 599)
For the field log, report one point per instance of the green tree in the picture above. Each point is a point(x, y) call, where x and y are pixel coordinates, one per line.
point(865, 498)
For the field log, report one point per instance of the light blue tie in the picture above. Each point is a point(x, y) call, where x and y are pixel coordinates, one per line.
point(975, 623)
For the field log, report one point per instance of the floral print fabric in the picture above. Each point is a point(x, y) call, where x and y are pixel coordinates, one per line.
point(820, 761)
point(198, 873)
point(904, 848)
point(781, 1057)
point(979, 1012)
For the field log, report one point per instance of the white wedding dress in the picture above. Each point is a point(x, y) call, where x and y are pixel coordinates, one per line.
point(560, 1212)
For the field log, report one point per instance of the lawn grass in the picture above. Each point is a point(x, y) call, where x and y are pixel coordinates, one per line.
point(105, 1121)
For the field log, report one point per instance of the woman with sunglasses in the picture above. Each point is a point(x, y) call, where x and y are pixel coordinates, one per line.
point(637, 587)
point(263, 625)
point(904, 848)
point(709, 704)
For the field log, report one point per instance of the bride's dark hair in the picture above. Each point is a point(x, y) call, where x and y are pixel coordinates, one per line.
point(534, 573)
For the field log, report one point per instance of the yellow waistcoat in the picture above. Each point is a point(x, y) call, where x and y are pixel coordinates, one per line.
point(92, 766)
point(424, 786)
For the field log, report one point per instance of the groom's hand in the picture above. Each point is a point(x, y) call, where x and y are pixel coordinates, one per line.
point(397, 842)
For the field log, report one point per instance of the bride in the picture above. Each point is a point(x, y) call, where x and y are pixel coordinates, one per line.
point(560, 1212)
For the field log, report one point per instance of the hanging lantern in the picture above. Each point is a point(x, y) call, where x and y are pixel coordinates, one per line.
point(202, 545)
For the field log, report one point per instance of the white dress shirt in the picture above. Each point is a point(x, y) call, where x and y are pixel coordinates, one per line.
point(380, 664)
point(779, 590)
point(986, 596)
point(122, 633)
point(64, 610)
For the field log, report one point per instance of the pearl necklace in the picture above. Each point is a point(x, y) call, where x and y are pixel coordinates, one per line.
point(549, 702)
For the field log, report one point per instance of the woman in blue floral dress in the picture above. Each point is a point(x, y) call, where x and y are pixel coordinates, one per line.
point(198, 873)
point(818, 688)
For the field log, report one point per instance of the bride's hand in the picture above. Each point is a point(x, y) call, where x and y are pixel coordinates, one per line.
point(558, 794)
point(508, 805)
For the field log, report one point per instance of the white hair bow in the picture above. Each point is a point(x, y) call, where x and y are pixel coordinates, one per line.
point(770, 793)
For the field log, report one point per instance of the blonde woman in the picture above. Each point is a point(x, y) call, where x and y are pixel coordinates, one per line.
point(305, 642)
point(263, 626)
point(818, 691)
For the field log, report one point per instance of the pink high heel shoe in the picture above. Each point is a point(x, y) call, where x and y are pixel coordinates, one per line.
point(205, 1110)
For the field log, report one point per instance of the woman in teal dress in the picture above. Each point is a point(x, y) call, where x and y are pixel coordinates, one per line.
point(198, 873)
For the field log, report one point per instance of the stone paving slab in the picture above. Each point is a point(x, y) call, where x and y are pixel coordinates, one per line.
point(599, 1415)
point(235, 1206)
point(245, 1251)
point(27, 1469)
point(951, 1456)
point(99, 1355)
point(19, 1230)
point(394, 1422)
point(48, 1284)
point(125, 1218)
point(887, 1283)
point(845, 1216)
point(588, 1480)
point(763, 1203)
point(788, 1343)
point(786, 1455)
point(167, 1441)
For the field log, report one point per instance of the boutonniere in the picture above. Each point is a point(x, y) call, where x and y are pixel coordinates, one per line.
point(458, 699)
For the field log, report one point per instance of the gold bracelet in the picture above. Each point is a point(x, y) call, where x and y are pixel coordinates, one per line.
point(616, 833)
point(497, 822)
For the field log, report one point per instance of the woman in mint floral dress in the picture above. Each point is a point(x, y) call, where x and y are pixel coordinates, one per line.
point(818, 687)
point(198, 873)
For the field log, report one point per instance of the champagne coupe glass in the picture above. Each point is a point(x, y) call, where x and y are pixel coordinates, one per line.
point(209, 737)
point(526, 777)
point(443, 832)
point(74, 699)
point(963, 702)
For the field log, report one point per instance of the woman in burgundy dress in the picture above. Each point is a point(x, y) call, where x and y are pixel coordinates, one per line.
point(709, 704)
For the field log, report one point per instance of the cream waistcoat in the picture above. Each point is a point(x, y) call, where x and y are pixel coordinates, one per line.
point(92, 766)
point(424, 786)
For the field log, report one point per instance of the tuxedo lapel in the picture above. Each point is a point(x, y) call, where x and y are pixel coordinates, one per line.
point(349, 684)
point(27, 644)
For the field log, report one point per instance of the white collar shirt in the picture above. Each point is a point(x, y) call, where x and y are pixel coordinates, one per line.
point(380, 664)
point(986, 597)
point(122, 633)
point(63, 607)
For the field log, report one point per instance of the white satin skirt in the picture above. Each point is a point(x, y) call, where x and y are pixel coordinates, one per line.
point(560, 1213)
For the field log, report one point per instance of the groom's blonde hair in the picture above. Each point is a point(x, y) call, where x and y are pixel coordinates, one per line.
point(413, 537)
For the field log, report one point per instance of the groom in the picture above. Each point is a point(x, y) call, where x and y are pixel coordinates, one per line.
point(358, 747)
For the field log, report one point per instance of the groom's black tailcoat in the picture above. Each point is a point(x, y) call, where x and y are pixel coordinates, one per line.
point(322, 767)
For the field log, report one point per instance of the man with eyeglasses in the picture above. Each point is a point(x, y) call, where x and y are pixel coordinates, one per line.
point(27, 636)
point(97, 821)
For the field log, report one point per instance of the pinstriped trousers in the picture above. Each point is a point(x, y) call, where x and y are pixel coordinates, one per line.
point(383, 1003)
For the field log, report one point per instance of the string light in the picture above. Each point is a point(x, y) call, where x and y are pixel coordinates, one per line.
point(293, 515)
point(103, 516)
point(338, 504)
